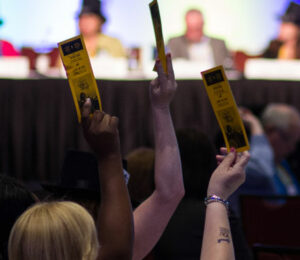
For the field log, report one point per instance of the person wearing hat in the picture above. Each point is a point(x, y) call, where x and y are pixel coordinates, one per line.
point(287, 43)
point(79, 181)
point(90, 24)
point(6, 48)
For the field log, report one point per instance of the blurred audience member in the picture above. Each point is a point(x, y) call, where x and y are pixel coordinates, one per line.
point(195, 45)
point(79, 181)
point(287, 43)
point(268, 172)
point(141, 167)
point(183, 236)
point(91, 20)
point(6, 48)
point(14, 200)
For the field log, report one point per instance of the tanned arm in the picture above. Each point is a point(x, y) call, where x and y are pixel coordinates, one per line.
point(115, 222)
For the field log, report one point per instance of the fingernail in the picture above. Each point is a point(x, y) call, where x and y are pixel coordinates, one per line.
point(169, 55)
point(232, 149)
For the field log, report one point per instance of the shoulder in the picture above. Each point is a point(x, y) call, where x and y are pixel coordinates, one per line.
point(177, 39)
point(272, 49)
point(105, 37)
point(112, 45)
point(216, 41)
point(260, 140)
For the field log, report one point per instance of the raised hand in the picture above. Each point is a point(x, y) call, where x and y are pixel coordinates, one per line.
point(229, 175)
point(162, 89)
point(100, 131)
point(253, 122)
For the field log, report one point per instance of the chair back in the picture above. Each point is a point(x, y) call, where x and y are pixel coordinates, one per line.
point(264, 252)
point(271, 220)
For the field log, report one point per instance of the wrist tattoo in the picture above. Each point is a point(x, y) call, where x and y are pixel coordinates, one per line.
point(224, 235)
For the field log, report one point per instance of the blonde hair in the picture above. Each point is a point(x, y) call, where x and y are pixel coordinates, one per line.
point(54, 230)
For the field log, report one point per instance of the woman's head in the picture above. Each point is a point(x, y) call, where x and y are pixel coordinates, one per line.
point(90, 24)
point(54, 230)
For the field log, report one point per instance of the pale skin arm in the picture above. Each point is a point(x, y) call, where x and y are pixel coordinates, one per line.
point(153, 215)
point(115, 222)
point(230, 174)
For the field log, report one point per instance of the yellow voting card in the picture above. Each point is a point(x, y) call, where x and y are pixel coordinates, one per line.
point(160, 45)
point(225, 109)
point(80, 74)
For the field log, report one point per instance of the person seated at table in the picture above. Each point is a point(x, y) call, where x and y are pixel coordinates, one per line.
point(14, 200)
point(195, 45)
point(90, 23)
point(272, 140)
point(91, 20)
point(6, 48)
point(287, 43)
point(65, 230)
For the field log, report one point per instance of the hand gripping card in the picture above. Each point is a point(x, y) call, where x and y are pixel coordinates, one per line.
point(80, 74)
point(225, 109)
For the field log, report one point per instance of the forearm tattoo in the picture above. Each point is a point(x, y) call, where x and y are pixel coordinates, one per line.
point(224, 235)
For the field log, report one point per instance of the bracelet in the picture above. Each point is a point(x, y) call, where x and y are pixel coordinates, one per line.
point(215, 198)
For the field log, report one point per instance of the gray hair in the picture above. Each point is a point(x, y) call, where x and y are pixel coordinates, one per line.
point(280, 116)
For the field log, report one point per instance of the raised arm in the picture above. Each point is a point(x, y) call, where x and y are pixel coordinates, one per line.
point(115, 224)
point(152, 216)
point(217, 240)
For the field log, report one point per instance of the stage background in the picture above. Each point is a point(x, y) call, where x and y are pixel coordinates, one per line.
point(246, 25)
